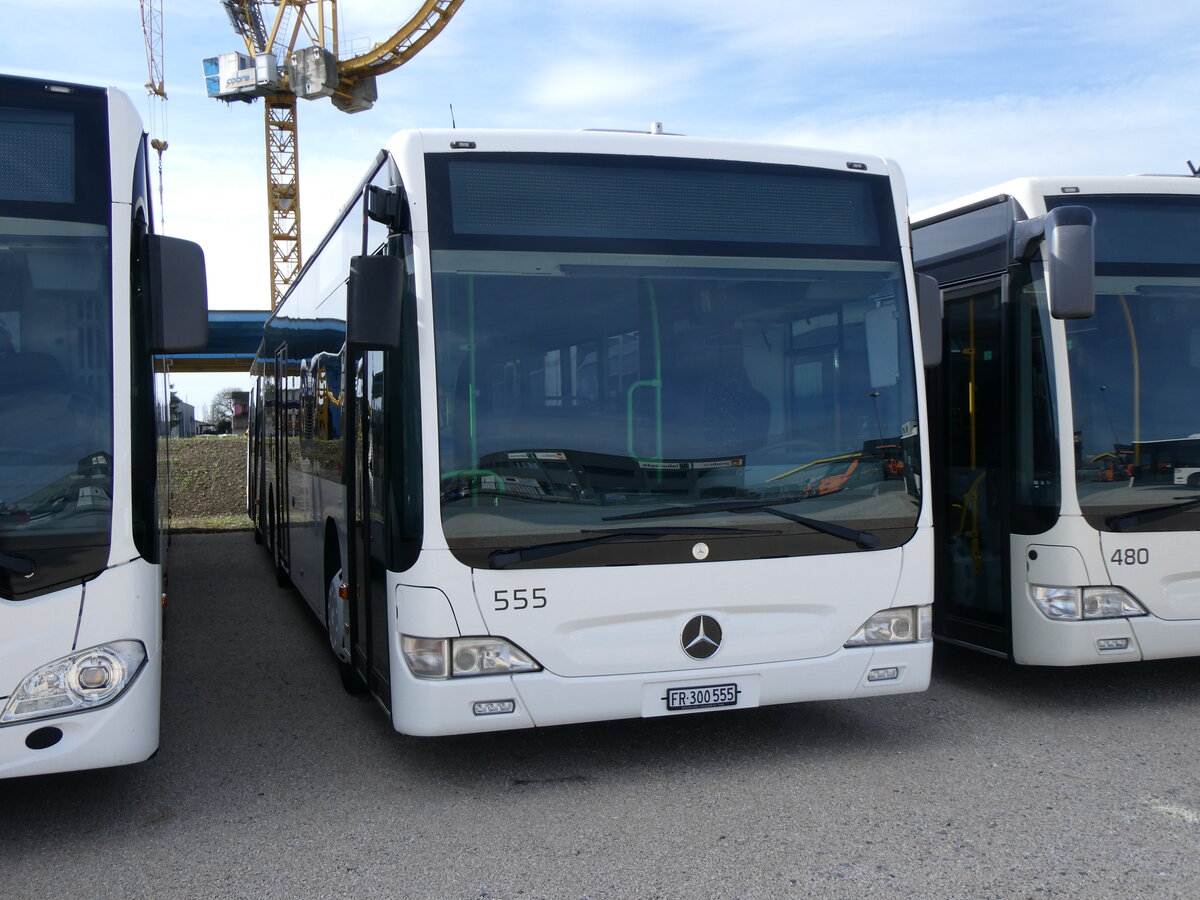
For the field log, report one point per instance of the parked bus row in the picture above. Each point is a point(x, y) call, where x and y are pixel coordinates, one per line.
point(598, 330)
point(567, 427)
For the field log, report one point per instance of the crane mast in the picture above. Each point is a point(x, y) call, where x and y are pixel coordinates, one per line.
point(283, 191)
point(152, 32)
point(292, 52)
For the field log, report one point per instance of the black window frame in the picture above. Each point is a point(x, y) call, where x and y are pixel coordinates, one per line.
point(88, 106)
point(1110, 264)
point(444, 237)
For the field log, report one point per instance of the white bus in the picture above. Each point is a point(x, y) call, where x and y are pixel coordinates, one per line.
point(82, 283)
point(1066, 427)
point(566, 427)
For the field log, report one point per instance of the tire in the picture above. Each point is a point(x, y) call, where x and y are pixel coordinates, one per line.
point(351, 683)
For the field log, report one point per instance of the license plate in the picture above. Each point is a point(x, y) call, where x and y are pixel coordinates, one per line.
point(706, 697)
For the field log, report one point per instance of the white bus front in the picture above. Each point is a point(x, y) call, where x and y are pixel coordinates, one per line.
point(672, 452)
point(75, 635)
point(82, 284)
point(1133, 378)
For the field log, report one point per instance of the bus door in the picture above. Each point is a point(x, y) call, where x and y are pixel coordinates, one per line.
point(369, 648)
point(973, 547)
point(281, 539)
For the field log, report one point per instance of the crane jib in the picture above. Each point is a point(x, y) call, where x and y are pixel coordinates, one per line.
point(279, 66)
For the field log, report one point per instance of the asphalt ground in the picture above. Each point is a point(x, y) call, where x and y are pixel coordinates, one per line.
point(272, 782)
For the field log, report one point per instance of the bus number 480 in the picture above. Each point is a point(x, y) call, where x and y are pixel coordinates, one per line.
point(1131, 556)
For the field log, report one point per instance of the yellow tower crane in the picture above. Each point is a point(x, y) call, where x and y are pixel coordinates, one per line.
point(292, 51)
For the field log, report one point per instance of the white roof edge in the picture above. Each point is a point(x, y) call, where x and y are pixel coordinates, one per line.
point(638, 143)
point(1029, 191)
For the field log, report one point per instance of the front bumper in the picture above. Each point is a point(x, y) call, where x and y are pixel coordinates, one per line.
point(123, 732)
point(428, 708)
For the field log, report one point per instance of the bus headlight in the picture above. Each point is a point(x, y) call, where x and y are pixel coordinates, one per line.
point(426, 657)
point(905, 625)
point(489, 656)
point(464, 657)
point(82, 681)
point(1078, 603)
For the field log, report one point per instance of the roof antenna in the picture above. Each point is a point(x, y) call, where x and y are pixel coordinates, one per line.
point(1195, 171)
point(452, 125)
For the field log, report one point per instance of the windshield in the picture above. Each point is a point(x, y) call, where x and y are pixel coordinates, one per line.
point(55, 399)
point(1135, 367)
point(619, 384)
point(626, 336)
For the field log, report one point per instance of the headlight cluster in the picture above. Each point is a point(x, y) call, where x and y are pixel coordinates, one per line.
point(1078, 603)
point(464, 657)
point(84, 680)
point(905, 625)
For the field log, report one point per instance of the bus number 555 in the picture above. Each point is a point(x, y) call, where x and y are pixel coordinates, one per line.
point(519, 598)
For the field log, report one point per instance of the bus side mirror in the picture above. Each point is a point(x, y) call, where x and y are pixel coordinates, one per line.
point(178, 291)
point(929, 308)
point(1071, 262)
point(373, 302)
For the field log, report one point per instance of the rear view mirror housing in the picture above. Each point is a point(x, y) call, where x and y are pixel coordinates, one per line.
point(1070, 254)
point(374, 293)
point(178, 294)
point(1068, 236)
point(929, 308)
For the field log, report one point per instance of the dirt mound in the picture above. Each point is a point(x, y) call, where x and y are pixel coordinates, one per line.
point(208, 483)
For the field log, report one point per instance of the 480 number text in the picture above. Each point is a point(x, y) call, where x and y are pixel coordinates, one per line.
point(1131, 556)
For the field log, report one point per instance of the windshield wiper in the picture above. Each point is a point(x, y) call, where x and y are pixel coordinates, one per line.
point(1129, 519)
point(864, 540)
point(18, 565)
point(500, 559)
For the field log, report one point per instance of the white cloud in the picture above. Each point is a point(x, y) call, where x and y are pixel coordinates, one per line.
point(806, 27)
point(603, 83)
point(947, 149)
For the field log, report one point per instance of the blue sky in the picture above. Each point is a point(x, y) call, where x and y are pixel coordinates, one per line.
point(962, 93)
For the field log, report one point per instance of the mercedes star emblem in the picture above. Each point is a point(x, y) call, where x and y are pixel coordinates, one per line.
point(701, 637)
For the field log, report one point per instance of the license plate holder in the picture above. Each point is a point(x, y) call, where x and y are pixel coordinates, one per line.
point(706, 696)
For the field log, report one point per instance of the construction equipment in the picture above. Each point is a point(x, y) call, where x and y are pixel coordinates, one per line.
point(152, 31)
point(279, 67)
